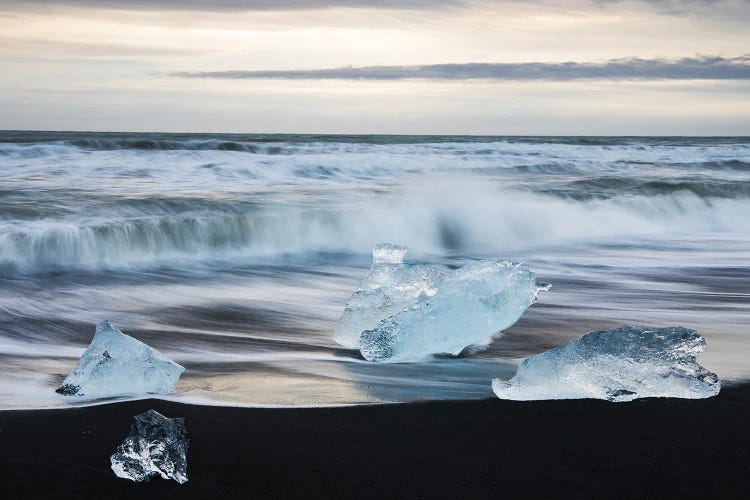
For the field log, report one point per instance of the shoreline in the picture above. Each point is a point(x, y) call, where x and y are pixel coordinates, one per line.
point(650, 448)
point(175, 398)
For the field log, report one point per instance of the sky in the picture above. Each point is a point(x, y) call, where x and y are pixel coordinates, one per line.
point(537, 67)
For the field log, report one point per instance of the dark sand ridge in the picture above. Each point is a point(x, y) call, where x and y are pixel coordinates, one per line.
point(657, 448)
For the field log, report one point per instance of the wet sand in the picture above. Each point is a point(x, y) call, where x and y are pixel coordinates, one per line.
point(452, 449)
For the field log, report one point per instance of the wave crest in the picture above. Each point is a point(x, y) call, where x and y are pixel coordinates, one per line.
point(439, 220)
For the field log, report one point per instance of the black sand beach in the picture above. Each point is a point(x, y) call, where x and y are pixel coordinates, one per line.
point(473, 449)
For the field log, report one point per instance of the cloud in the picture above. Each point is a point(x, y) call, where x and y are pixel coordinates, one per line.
point(46, 48)
point(237, 5)
point(689, 68)
point(671, 6)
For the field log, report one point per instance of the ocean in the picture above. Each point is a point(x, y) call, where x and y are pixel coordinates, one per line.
point(234, 253)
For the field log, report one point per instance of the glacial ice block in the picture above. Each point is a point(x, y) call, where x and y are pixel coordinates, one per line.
point(470, 305)
point(116, 364)
point(623, 364)
point(391, 286)
point(156, 446)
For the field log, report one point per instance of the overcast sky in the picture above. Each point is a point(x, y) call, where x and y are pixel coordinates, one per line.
point(367, 66)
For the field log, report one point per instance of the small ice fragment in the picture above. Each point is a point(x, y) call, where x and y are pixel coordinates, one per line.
point(156, 446)
point(385, 253)
point(622, 364)
point(116, 364)
point(471, 304)
point(391, 287)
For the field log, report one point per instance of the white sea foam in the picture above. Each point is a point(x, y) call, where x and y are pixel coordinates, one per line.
point(441, 218)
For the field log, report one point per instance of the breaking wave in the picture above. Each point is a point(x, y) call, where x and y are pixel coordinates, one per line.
point(441, 220)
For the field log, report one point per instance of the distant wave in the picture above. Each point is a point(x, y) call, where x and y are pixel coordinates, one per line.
point(611, 186)
point(166, 145)
point(209, 162)
point(41, 137)
point(743, 166)
point(30, 143)
point(144, 144)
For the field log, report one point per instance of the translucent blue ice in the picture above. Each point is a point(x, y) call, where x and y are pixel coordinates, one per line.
point(391, 287)
point(623, 364)
point(116, 364)
point(406, 312)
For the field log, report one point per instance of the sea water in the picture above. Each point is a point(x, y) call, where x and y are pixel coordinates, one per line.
point(234, 254)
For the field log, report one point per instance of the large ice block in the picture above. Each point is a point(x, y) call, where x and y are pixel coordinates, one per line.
point(391, 286)
point(622, 364)
point(156, 446)
point(116, 364)
point(470, 305)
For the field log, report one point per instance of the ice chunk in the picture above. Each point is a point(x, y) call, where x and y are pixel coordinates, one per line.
point(385, 253)
point(391, 287)
point(471, 304)
point(115, 364)
point(623, 364)
point(156, 445)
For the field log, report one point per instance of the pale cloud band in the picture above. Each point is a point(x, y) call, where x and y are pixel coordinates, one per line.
point(689, 68)
point(678, 7)
point(238, 5)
